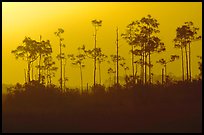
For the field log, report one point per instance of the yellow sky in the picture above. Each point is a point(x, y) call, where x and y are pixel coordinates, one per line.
point(37, 18)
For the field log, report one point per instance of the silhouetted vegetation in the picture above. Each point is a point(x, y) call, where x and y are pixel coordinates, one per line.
point(138, 105)
point(185, 35)
point(140, 108)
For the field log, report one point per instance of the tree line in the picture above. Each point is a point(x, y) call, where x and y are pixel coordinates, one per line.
point(142, 37)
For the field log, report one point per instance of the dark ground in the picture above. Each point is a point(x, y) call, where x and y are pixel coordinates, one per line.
point(170, 109)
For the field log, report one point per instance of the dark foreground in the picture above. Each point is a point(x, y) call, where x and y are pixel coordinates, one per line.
point(176, 108)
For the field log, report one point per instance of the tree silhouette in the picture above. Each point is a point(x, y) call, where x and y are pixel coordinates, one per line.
point(44, 50)
point(63, 58)
point(178, 44)
point(149, 27)
point(65, 78)
point(110, 72)
point(113, 60)
point(95, 53)
point(165, 62)
point(28, 52)
point(192, 37)
point(140, 62)
point(96, 24)
point(78, 60)
point(125, 67)
point(50, 69)
point(183, 34)
point(131, 35)
point(186, 34)
point(58, 34)
point(142, 34)
point(200, 66)
point(101, 57)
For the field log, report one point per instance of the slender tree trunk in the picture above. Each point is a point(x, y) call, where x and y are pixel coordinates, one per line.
point(94, 71)
point(182, 64)
point(186, 63)
point(64, 76)
point(189, 61)
point(50, 79)
point(95, 59)
point(133, 72)
point(47, 77)
point(149, 54)
point(115, 79)
point(28, 74)
point(117, 57)
point(145, 68)
point(152, 79)
point(60, 66)
point(39, 70)
point(165, 73)
point(32, 71)
point(81, 78)
point(99, 68)
point(162, 75)
point(142, 68)
point(149, 68)
point(136, 73)
point(39, 75)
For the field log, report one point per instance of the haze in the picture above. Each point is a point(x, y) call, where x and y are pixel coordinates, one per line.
point(37, 18)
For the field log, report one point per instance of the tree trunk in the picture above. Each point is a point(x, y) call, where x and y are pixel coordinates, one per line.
point(165, 73)
point(39, 75)
point(145, 68)
point(142, 69)
point(186, 63)
point(117, 57)
point(64, 77)
point(149, 68)
point(149, 54)
point(99, 68)
point(182, 64)
point(81, 78)
point(28, 74)
point(94, 71)
point(32, 71)
point(47, 77)
point(60, 66)
point(136, 79)
point(189, 61)
point(39, 70)
point(133, 63)
point(152, 79)
point(162, 75)
point(95, 59)
point(115, 74)
point(50, 79)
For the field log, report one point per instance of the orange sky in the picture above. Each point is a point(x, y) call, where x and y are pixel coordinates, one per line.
point(34, 19)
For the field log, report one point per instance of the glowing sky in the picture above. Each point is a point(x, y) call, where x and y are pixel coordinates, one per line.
point(37, 18)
